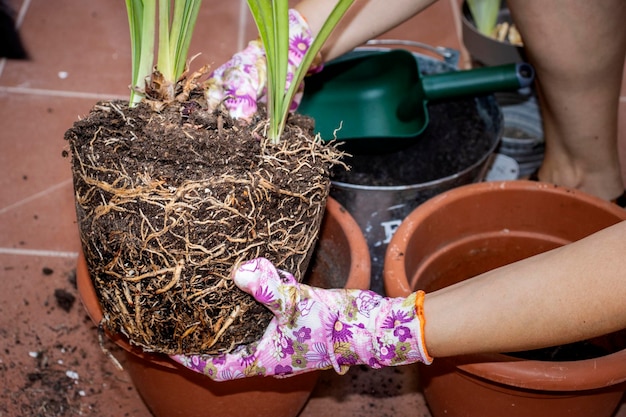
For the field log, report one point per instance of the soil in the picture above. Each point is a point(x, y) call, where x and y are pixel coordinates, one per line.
point(583, 350)
point(168, 202)
point(435, 154)
point(50, 361)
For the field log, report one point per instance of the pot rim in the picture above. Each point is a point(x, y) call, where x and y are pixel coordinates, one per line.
point(545, 375)
point(358, 278)
point(498, 367)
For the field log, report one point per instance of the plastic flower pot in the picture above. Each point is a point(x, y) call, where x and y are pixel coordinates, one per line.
point(170, 390)
point(475, 228)
point(522, 137)
point(485, 50)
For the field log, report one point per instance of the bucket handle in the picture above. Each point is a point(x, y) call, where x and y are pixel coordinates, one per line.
point(449, 56)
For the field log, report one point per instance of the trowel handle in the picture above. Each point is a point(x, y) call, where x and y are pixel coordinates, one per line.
point(477, 81)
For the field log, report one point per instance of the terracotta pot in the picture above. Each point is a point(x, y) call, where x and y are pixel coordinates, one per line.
point(169, 389)
point(479, 227)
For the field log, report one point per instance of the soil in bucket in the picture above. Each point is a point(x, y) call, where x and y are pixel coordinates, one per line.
point(381, 189)
point(454, 140)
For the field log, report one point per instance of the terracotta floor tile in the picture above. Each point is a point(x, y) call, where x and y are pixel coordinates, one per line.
point(32, 143)
point(84, 46)
point(74, 46)
point(45, 222)
point(217, 36)
point(50, 356)
point(623, 90)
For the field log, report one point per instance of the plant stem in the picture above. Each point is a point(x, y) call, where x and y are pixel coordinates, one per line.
point(485, 14)
point(272, 20)
point(173, 44)
point(141, 18)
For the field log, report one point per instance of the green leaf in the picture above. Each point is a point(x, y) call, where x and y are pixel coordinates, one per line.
point(140, 19)
point(329, 25)
point(485, 14)
point(164, 61)
point(134, 12)
point(185, 17)
point(280, 60)
point(272, 20)
point(173, 44)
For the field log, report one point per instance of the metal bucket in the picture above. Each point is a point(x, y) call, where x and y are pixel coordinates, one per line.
point(379, 210)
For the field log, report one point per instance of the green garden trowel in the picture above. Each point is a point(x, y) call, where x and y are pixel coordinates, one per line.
point(382, 96)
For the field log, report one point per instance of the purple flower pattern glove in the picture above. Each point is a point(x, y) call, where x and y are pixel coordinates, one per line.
point(316, 328)
point(241, 82)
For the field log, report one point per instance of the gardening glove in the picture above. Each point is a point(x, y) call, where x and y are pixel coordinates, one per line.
point(241, 82)
point(315, 329)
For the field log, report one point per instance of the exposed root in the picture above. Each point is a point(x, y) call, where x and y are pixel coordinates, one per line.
point(103, 348)
point(160, 245)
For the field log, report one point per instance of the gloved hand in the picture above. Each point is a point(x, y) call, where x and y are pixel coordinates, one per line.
point(316, 329)
point(241, 82)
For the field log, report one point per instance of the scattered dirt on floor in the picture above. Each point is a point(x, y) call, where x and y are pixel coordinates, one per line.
point(50, 361)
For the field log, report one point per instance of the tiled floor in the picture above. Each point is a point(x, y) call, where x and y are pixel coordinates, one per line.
point(80, 53)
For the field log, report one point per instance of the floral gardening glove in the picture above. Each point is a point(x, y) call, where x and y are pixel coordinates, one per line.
point(241, 82)
point(314, 328)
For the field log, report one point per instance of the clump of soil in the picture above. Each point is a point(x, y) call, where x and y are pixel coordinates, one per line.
point(168, 202)
point(454, 140)
point(65, 300)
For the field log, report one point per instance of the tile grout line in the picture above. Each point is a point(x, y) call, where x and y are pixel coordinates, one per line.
point(38, 252)
point(22, 13)
point(60, 93)
point(35, 196)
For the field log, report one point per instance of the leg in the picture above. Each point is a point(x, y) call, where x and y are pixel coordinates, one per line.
point(578, 49)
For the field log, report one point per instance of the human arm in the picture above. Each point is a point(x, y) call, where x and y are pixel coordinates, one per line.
point(239, 84)
point(366, 19)
point(571, 293)
point(565, 295)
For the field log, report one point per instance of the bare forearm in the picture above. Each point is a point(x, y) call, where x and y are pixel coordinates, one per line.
point(365, 20)
point(568, 294)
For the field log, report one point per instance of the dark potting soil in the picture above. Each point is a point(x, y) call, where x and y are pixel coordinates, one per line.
point(453, 141)
point(577, 351)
